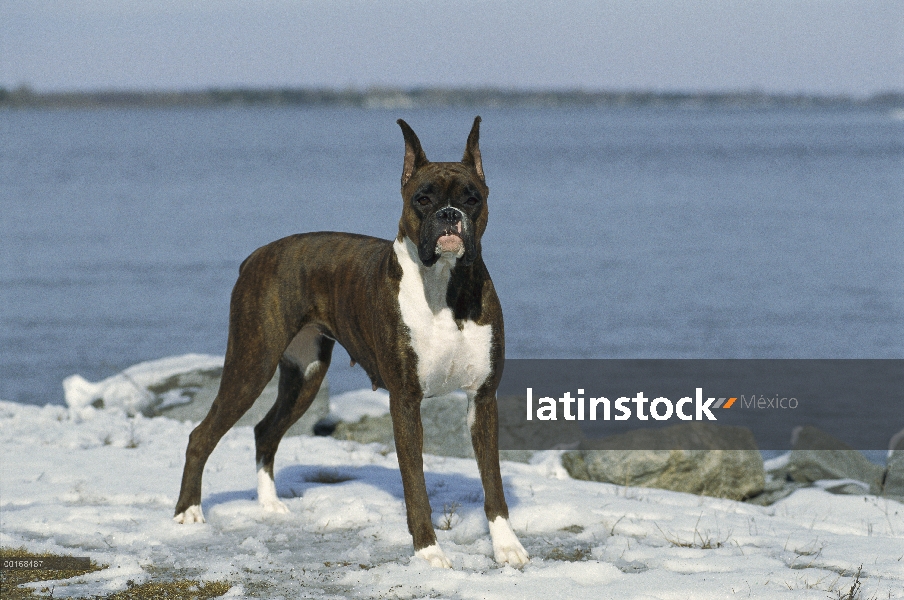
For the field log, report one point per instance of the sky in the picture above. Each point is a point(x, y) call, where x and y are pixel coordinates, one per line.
point(853, 47)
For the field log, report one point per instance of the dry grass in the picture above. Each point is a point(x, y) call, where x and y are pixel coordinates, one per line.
point(853, 593)
point(702, 540)
point(573, 555)
point(573, 529)
point(182, 589)
point(12, 578)
point(448, 519)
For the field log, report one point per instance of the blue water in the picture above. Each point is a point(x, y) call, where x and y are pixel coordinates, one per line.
point(647, 233)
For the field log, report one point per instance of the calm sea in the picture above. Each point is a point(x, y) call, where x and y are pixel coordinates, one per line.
point(646, 233)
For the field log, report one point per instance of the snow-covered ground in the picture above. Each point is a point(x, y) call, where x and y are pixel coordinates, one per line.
point(97, 483)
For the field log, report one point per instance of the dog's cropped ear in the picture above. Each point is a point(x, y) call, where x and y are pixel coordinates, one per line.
point(414, 154)
point(471, 158)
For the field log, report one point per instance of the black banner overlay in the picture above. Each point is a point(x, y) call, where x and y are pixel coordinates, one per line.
point(700, 404)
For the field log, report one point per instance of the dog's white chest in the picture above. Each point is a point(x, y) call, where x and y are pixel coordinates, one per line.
point(449, 357)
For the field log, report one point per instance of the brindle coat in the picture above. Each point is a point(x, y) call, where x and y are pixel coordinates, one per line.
point(296, 297)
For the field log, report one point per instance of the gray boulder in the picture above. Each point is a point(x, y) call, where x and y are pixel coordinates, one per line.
point(367, 430)
point(727, 465)
point(444, 420)
point(446, 433)
point(893, 478)
point(200, 389)
point(817, 455)
point(775, 490)
point(518, 435)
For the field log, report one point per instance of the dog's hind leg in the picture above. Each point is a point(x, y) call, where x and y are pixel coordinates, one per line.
point(252, 354)
point(301, 371)
point(242, 383)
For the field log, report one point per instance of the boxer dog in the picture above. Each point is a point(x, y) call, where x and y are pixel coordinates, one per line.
point(418, 313)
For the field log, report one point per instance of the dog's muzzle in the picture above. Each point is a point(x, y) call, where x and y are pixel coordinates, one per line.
point(449, 220)
point(448, 231)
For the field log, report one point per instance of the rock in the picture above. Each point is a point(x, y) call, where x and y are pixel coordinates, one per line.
point(721, 469)
point(893, 481)
point(847, 488)
point(446, 432)
point(893, 478)
point(367, 430)
point(445, 421)
point(775, 490)
point(179, 387)
point(146, 387)
point(517, 435)
point(817, 455)
point(201, 389)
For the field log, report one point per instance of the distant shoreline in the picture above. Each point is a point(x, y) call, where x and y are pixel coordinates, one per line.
point(431, 98)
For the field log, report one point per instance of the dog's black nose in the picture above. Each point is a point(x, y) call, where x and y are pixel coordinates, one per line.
point(449, 215)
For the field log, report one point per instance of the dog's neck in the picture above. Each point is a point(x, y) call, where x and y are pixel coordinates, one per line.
point(432, 282)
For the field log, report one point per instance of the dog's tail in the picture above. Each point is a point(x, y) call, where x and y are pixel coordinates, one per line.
point(248, 259)
point(244, 262)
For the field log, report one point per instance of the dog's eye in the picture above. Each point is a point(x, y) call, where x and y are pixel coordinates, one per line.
point(423, 200)
point(471, 201)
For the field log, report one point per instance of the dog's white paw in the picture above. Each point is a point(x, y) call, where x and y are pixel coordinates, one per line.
point(506, 547)
point(266, 493)
point(192, 514)
point(435, 556)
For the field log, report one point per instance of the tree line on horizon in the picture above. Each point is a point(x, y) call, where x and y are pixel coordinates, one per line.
point(425, 97)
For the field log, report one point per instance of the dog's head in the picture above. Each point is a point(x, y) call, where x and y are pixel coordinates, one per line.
point(445, 203)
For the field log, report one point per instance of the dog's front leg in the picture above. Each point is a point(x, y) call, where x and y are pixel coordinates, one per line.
point(483, 420)
point(409, 439)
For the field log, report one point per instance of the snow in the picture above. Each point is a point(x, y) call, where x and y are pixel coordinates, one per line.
point(779, 462)
point(99, 483)
point(128, 390)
